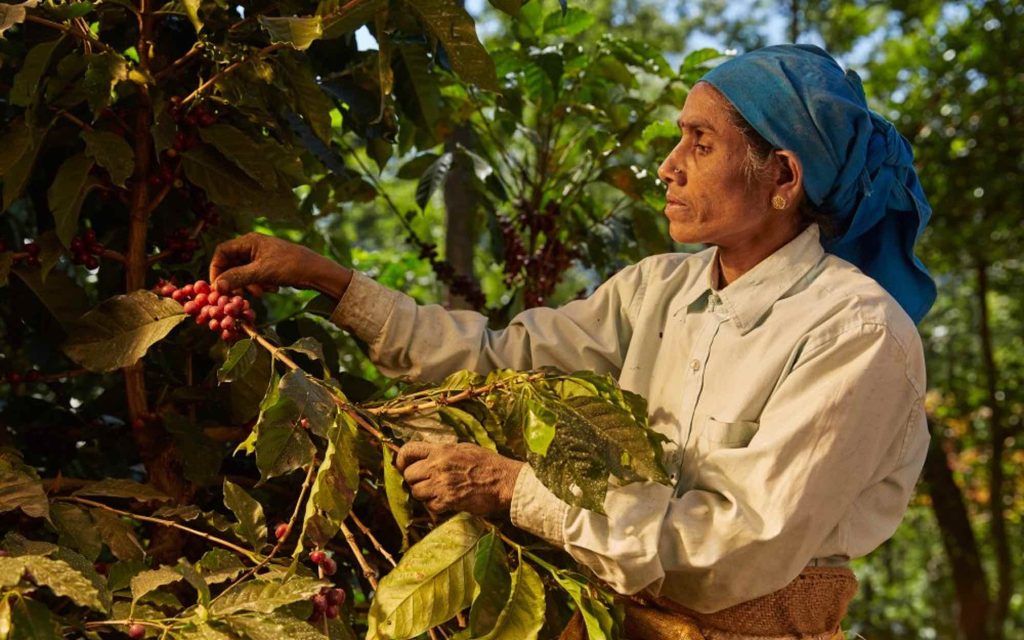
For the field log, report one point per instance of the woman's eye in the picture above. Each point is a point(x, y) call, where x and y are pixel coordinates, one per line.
point(702, 148)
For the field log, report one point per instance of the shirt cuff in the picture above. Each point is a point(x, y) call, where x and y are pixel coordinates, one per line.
point(536, 510)
point(364, 307)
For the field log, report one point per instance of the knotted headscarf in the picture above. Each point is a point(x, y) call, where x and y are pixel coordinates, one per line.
point(856, 166)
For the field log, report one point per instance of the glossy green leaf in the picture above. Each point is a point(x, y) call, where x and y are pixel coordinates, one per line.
point(219, 565)
point(56, 574)
point(67, 193)
point(493, 585)
point(50, 252)
point(523, 614)
point(112, 152)
point(76, 530)
point(29, 77)
point(397, 495)
point(31, 620)
point(310, 101)
point(449, 22)
point(539, 428)
point(281, 445)
point(118, 534)
point(122, 488)
point(20, 487)
point(336, 481)
point(432, 582)
point(351, 16)
point(201, 457)
point(19, 160)
point(121, 329)
point(571, 22)
point(298, 31)
point(103, 71)
point(264, 596)
point(238, 147)
point(152, 580)
point(252, 524)
point(273, 627)
point(433, 178)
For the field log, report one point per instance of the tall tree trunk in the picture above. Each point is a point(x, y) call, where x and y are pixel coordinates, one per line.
point(794, 20)
point(461, 204)
point(958, 540)
point(1004, 561)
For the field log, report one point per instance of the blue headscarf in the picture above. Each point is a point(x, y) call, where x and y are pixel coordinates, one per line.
point(856, 166)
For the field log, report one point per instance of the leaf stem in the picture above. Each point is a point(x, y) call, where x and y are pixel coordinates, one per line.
point(368, 571)
point(85, 37)
point(253, 557)
point(369, 534)
point(225, 71)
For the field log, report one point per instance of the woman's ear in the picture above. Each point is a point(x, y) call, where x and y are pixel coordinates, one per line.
point(789, 182)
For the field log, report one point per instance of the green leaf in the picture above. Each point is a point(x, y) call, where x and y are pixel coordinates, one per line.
point(523, 614)
point(122, 488)
point(310, 399)
point(152, 580)
point(103, 71)
point(192, 11)
point(31, 620)
point(219, 565)
point(600, 623)
point(67, 193)
point(121, 329)
point(433, 178)
point(593, 440)
point(29, 78)
point(20, 487)
point(571, 22)
point(310, 101)
point(252, 524)
point(539, 428)
point(419, 89)
point(493, 584)
point(465, 422)
point(16, 176)
point(351, 16)
point(58, 575)
point(76, 530)
point(264, 596)
point(247, 154)
point(118, 535)
point(298, 31)
point(337, 479)
point(511, 7)
point(398, 496)
point(449, 22)
point(281, 445)
point(196, 580)
point(13, 145)
point(230, 187)
point(50, 251)
point(61, 295)
point(249, 369)
point(201, 457)
point(273, 627)
point(112, 152)
point(163, 128)
point(432, 582)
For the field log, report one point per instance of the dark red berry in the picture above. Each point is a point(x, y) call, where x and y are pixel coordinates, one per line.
point(317, 556)
point(319, 603)
point(202, 286)
point(304, 423)
point(32, 249)
point(32, 376)
point(206, 119)
point(228, 335)
point(180, 141)
point(76, 244)
point(329, 567)
point(331, 611)
point(138, 423)
point(281, 531)
point(191, 120)
point(91, 262)
point(155, 180)
point(14, 377)
point(136, 631)
point(188, 290)
point(178, 295)
point(214, 324)
point(166, 173)
point(191, 307)
point(336, 596)
point(213, 297)
point(168, 289)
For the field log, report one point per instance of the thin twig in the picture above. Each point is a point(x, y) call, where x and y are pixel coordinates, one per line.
point(225, 71)
point(167, 523)
point(86, 37)
point(368, 571)
point(180, 62)
point(369, 534)
point(443, 400)
point(274, 350)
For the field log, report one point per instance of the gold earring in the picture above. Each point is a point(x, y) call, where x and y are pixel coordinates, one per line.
point(778, 202)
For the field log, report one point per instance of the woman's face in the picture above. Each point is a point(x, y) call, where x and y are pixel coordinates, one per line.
point(710, 199)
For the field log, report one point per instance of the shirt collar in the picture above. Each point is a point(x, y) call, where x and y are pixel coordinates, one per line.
point(749, 298)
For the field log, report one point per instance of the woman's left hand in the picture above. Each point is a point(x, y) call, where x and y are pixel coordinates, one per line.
point(460, 477)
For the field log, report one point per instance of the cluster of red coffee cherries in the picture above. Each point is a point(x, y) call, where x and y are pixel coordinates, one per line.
point(29, 253)
point(181, 245)
point(327, 603)
point(326, 563)
point(220, 312)
point(86, 250)
point(185, 138)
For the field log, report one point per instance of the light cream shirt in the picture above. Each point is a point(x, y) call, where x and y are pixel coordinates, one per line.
point(793, 400)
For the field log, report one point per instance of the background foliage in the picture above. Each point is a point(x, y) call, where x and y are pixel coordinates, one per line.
point(347, 149)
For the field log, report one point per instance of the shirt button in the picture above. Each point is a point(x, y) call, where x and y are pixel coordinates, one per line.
point(695, 364)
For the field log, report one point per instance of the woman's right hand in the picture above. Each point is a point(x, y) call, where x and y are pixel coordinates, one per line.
point(258, 263)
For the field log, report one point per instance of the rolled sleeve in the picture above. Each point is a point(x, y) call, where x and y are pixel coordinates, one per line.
point(536, 510)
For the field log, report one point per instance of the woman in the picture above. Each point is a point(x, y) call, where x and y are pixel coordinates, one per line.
point(788, 379)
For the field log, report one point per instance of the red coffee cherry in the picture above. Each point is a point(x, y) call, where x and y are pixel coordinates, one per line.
point(329, 567)
point(317, 556)
point(136, 631)
point(281, 531)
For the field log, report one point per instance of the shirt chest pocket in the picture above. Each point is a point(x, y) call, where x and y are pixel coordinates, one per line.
point(720, 434)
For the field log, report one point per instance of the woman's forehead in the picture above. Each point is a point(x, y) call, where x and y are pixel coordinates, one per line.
point(705, 108)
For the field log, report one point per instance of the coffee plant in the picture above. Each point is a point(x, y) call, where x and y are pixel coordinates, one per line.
point(225, 477)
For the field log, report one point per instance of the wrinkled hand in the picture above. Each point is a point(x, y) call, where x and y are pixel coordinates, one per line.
point(258, 263)
point(462, 477)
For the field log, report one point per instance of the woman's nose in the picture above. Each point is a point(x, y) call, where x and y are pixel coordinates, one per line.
point(669, 172)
